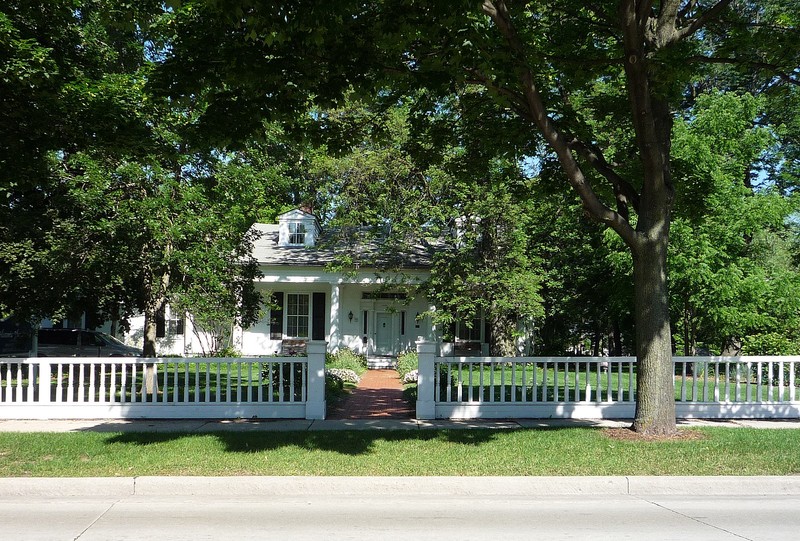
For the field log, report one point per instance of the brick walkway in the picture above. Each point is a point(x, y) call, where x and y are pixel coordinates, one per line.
point(379, 395)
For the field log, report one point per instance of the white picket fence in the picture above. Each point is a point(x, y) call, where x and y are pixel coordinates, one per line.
point(117, 388)
point(601, 387)
point(448, 387)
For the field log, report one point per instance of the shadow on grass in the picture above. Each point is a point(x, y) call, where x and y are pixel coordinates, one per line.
point(345, 442)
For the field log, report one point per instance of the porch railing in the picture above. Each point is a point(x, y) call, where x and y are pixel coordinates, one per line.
point(601, 387)
point(260, 387)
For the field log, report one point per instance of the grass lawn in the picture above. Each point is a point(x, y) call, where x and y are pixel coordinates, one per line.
point(557, 451)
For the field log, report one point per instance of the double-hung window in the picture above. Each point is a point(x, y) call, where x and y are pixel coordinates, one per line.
point(297, 233)
point(469, 331)
point(298, 315)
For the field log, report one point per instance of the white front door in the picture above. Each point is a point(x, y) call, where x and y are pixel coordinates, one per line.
point(384, 334)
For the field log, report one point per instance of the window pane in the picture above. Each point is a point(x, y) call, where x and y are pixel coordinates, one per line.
point(473, 333)
point(297, 233)
point(297, 315)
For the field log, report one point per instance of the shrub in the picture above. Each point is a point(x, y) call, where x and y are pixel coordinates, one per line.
point(334, 388)
point(406, 363)
point(228, 352)
point(347, 359)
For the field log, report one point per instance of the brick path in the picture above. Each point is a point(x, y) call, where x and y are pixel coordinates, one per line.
point(378, 395)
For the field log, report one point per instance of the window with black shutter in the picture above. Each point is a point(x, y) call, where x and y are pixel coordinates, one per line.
point(276, 317)
point(318, 316)
point(161, 324)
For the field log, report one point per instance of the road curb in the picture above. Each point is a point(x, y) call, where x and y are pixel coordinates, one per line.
point(397, 486)
point(714, 485)
point(66, 486)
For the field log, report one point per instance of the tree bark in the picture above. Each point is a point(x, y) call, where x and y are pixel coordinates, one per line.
point(503, 342)
point(655, 400)
point(154, 306)
point(617, 334)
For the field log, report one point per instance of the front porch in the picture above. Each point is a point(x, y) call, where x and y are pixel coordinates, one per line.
point(361, 314)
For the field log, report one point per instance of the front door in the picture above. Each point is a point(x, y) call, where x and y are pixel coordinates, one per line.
point(384, 334)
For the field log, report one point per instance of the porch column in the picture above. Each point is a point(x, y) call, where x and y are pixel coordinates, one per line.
point(315, 393)
point(336, 333)
point(426, 404)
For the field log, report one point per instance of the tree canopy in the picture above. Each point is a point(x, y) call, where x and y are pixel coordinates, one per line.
point(677, 116)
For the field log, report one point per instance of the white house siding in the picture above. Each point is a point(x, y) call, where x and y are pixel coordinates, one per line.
point(343, 295)
point(187, 343)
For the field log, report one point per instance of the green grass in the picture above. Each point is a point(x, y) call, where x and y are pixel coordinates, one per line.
point(557, 451)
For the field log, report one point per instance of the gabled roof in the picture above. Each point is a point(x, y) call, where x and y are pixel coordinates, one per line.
point(367, 252)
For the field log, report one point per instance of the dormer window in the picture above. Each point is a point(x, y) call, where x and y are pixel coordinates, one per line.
point(297, 228)
point(297, 234)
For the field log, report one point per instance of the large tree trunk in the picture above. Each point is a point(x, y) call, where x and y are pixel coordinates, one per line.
point(502, 344)
point(652, 123)
point(655, 393)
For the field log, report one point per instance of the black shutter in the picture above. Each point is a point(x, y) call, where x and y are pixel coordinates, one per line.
point(318, 316)
point(276, 317)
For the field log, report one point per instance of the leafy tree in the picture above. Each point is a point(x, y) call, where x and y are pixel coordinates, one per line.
point(467, 210)
point(67, 86)
point(729, 257)
point(112, 212)
point(597, 83)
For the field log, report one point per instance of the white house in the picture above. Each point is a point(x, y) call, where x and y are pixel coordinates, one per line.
point(368, 310)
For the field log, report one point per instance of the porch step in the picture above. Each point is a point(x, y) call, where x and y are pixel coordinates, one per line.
point(374, 363)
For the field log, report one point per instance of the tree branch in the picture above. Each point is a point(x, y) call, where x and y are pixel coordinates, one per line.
point(643, 13)
point(498, 12)
point(700, 21)
point(624, 189)
point(784, 76)
point(517, 100)
point(687, 9)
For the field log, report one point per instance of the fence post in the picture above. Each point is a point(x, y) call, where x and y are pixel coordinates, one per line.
point(426, 406)
point(315, 397)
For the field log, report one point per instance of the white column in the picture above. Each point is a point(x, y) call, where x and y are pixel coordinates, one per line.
point(315, 397)
point(336, 336)
point(426, 405)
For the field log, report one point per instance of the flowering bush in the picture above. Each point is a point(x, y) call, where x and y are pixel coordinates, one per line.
point(410, 377)
point(343, 374)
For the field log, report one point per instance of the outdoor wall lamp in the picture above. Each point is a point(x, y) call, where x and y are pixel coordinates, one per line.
point(350, 316)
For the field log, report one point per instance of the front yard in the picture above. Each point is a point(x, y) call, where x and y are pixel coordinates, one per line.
point(483, 452)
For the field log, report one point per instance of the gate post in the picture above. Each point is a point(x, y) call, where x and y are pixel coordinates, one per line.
point(315, 393)
point(426, 404)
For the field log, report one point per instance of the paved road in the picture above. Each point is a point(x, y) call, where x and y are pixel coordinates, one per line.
point(403, 508)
